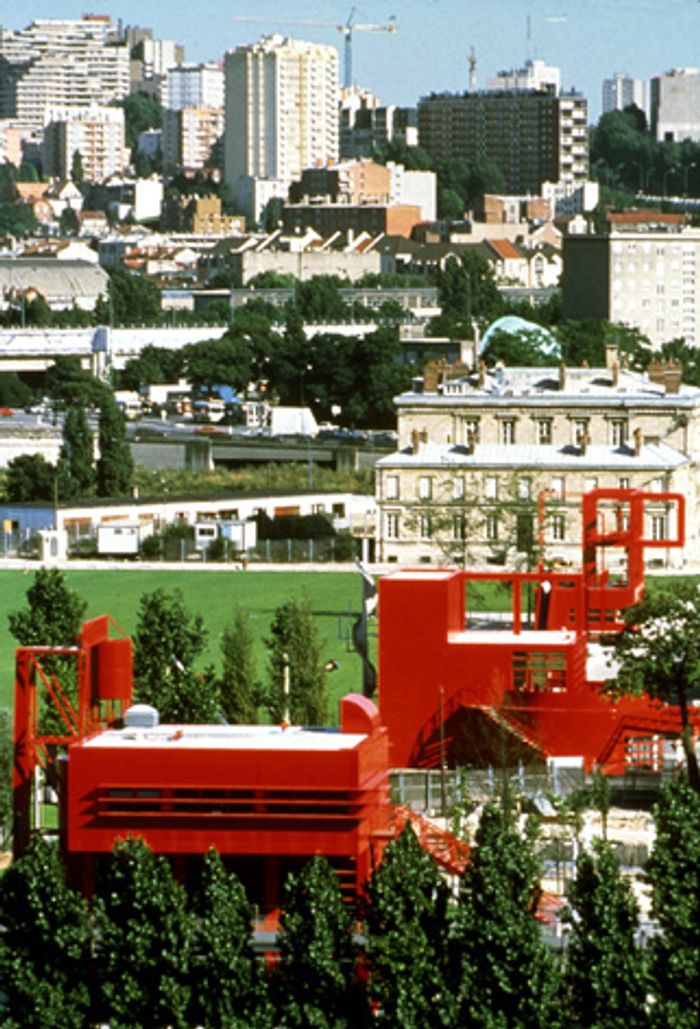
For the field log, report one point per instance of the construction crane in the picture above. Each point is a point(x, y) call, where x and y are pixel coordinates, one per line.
point(348, 29)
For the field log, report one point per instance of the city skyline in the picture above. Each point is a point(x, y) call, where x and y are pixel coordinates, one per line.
point(434, 38)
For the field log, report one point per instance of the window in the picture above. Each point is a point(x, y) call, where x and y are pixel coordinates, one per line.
point(425, 487)
point(623, 483)
point(491, 487)
point(618, 432)
point(659, 527)
point(544, 431)
point(508, 432)
point(459, 527)
point(558, 526)
point(458, 488)
point(391, 487)
point(492, 525)
point(471, 430)
point(579, 431)
point(524, 489)
point(392, 525)
point(558, 487)
point(426, 526)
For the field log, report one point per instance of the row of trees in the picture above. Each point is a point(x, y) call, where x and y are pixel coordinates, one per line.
point(77, 474)
point(413, 953)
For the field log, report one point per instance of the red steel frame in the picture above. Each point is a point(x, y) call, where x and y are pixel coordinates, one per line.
point(479, 696)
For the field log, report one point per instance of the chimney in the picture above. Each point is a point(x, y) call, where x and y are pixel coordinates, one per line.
point(637, 441)
point(423, 436)
point(614, 373)
point(415, 438)
point(584, 440)
point(471, 441)
point(431, 377)
point(673, 376)
point(482, 374)
point(562, 377)
point(611, 355)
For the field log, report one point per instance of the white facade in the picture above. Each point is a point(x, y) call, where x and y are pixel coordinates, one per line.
point(418, 188)
point(97, 133)
point(281, 112)
point(189, 135)
point(533, 75)
point(194, 85)
point(621, 91)
point(60, 63)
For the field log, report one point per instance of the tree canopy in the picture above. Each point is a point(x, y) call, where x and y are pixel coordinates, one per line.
point(295, 652)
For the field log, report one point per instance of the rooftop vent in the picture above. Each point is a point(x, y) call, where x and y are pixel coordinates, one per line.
point(141, 716)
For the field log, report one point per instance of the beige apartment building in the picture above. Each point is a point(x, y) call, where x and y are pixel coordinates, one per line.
point(491, 464)
point(642, 273)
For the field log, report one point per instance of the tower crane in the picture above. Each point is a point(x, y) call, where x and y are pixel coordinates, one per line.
point(348, 29)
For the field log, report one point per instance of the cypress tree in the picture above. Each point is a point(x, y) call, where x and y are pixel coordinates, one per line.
point(75, 470)
point(604, 978)
point(673, 871)
point(115, 465)
point(143, 941)
point(503, 973)
point(44, 944)
point(239, 686)
point(406, 927)
point(228, 989)
point(293, 633)
point(315, 981)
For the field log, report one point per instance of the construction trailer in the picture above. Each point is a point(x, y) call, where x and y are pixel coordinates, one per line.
point(456, 688)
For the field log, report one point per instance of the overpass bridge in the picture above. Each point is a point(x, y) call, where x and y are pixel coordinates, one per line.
point(99, 348)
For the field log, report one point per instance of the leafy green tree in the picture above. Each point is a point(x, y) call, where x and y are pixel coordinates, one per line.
point(466, 290)
point(75, 470)
point(407, 932)
point(69, 223)
point(604, 977)
point(68, 384)
point(240, 689)
point(672, 873)
point(135, 299)
point(44, 944)
point(315, 982)
point(13, 392)
point(7, 755)
point(143, 941)
point(218, 362)
point(8, 183)
point(228, 988)
point(658, 655)
point(54, 613)
point(141, 112)
point(18, 220)
point(167, 642)
point(319, 299)
point(153, 365)
point(29, 477)
point(53, 617)
point(38, 312)
point(294, 648)
point(115, 465)
point(516, 349)
point(504, 974)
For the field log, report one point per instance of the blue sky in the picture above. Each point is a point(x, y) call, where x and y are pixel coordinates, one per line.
point(587, 39)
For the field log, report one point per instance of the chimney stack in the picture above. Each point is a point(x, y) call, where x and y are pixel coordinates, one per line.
point(415, 439)
point(611, 355)
point(482, 374)
point(614, 373)
point(637, 441)
point(562, 377)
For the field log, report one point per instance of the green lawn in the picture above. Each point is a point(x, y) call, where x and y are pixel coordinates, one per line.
point(333, 596)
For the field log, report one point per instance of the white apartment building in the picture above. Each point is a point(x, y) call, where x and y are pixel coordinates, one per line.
point(621, 91)
point(194, 85)
point(66, 63)
point(675, 105)
point(533, 75)
point(281, 100)
point(97, 133)
point(644, 273)
point(481, 455)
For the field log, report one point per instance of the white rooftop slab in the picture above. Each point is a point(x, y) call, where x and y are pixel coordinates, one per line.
point(526, 638)
point(652, 456)
point(226, 737)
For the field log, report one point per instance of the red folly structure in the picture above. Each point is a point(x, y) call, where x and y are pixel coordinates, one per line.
point(454, 689)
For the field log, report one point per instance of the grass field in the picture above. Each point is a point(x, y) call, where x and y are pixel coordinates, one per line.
point(334, 597)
